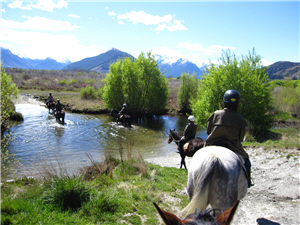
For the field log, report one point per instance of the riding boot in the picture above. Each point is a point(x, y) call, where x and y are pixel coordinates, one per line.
point(250, 184)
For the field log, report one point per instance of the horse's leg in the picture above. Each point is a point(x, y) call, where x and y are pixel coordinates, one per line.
point(183, 161)
point(182, 155)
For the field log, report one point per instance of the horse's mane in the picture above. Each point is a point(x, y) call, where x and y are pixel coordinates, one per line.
point(204, 215)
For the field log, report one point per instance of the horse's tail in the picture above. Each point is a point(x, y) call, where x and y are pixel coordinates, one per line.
point(203, 184)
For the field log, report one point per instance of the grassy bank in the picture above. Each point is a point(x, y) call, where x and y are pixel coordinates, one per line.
point(71, 101)
point(111, 192)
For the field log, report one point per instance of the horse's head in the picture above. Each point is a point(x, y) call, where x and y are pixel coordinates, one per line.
point(199, 217)
point(114, 112)
point(171, 136)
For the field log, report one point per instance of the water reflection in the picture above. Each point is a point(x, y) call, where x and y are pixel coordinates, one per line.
point(39, 140)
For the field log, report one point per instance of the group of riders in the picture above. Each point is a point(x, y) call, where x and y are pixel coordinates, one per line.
point(58, 105)
point(225, 128)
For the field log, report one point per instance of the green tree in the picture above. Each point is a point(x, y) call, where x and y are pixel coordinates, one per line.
point(247, 76)
point(187, 91)
point(8, 91)
point(137, 82)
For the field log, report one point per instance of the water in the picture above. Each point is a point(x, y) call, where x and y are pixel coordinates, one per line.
point(41, 143)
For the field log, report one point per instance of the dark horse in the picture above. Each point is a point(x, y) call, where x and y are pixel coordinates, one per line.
point(51, 105)
point(124, 119)
point(189, 148)
point(203, 217)
point(60, 115)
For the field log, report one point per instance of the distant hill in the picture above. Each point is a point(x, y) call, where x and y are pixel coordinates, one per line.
point(284, 70)
point(11, 60)
point(173, 68)
point(99, 63)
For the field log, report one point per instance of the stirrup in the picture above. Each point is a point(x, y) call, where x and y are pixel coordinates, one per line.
point(250, 183)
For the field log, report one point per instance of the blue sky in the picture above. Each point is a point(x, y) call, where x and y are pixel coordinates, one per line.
point(195, 30)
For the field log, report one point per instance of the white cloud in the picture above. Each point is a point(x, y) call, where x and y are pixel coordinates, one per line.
point(121, 22)
point(47, 5)
point(265, 62)
point(176, 26)
point(2, 10)
point(38, 45)
point(166, 22)
point(38, 23)
point(213, 49)
point(142, 17)
point(112, 13)
point(15, 4)
point(74, 16)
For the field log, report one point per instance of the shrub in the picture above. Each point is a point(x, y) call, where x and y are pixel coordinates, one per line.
point(137, 82)
point(67, 193)
point(187, 91)
point(287, 99)
point(246, 76)
point(88, 92)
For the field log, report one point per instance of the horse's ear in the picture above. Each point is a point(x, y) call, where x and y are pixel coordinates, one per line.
point(168, 218)
point(225, 217)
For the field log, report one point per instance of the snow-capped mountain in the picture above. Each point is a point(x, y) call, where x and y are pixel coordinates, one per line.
point(174, 67)
point(11, 60)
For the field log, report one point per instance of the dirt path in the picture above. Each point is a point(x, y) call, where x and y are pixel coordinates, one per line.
point(275, 198)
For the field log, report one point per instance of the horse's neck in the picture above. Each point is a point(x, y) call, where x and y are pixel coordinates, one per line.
point(176, 136)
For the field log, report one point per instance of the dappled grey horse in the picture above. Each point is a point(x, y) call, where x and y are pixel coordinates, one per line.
point(215, 177)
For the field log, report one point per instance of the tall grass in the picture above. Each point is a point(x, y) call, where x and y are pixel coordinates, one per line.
point(125, 193)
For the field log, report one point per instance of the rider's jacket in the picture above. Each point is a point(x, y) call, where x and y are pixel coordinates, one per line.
point(228, 126)
point(50, 98)
point(189, 132)
point(123, 111)
point(58, 107)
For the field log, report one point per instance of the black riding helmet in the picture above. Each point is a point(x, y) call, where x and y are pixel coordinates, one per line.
point(231, 98)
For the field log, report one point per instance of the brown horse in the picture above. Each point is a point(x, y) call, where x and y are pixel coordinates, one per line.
point(60, 115)
point(189, 148)
point(124, 119)
point(204, 217)
point(51, 106)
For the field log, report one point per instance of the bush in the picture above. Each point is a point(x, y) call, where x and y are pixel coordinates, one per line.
point(246, 76)
point(187, 91)
point(287, 100)
point(88, 92)
point(139, 83)
point(67, 193)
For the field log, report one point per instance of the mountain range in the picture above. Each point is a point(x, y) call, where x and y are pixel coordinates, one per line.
point(11, 60)
point(100, 63)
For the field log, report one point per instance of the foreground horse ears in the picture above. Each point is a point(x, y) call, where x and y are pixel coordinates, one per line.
point(224, 218)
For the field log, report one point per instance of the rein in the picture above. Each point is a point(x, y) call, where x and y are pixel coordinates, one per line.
point(174, 138)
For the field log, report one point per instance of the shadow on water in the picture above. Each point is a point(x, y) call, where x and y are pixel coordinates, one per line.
point(40, 139)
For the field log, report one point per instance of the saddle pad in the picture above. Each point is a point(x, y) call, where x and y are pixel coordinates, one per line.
point(185, 146)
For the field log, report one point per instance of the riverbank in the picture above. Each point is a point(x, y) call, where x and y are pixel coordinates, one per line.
point(273, 200)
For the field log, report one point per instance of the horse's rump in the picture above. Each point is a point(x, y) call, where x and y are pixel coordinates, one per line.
point(215, 177)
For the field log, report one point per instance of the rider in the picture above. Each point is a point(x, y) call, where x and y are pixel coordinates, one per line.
point(58, 106)
point(49, 99)
point(189, 133)
point(227, 128)
point(123, 111)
